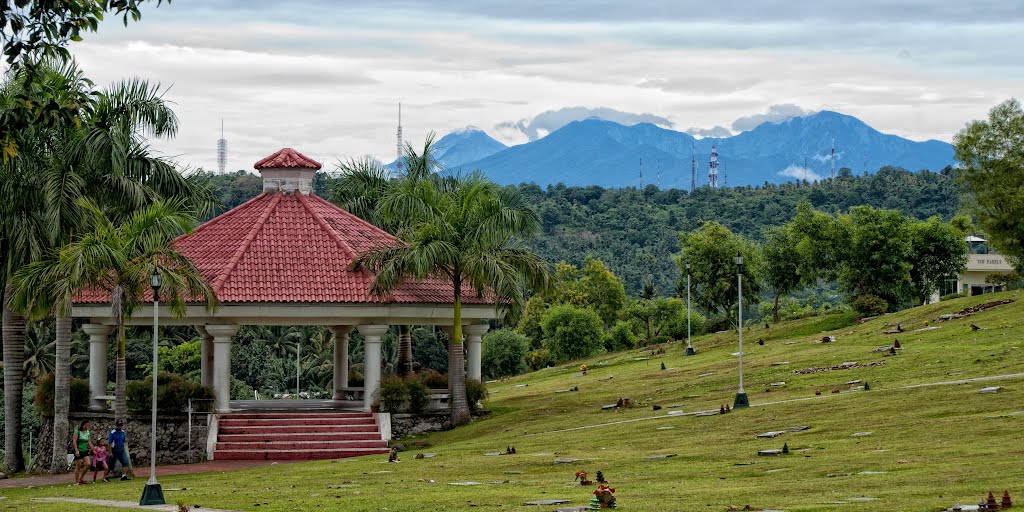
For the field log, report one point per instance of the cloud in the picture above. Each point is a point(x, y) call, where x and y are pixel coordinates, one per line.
point(713, 132)
point(800, 173)
point(775, 113)
point(551, 120)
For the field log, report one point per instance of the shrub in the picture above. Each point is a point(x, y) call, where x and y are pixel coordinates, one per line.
point(355, 378)
point(419, 396)
point(659, 339)
point(571, 332)
point(433, 379)
point(172, 395)
point(504, 353)
point(540, 358)
point(620, 337)
point(79, 400)
point(676, 327)
point(392, 395)
point(869, 305)
point(952, 296)
point(717, 324)
point(476, 392)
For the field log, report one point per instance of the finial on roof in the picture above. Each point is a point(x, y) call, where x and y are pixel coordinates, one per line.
point(287, 171)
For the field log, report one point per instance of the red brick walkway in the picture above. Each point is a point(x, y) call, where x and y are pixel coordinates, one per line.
point(141, 473)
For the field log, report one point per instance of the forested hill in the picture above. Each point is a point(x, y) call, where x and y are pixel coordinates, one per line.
point(635, 232)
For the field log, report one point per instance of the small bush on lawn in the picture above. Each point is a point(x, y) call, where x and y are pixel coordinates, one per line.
point(870, 305)
point(476, 392)
point(419, 396)
point(392, 394)
point(433, 379)
point(504, 353)
point(620, 337)
point(79, 400)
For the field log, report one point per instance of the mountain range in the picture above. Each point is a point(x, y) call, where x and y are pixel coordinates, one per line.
point(598, 152)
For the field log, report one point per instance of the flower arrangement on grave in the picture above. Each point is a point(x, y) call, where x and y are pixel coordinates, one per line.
point(582, 477)
point(604, 497)
point(583, 369)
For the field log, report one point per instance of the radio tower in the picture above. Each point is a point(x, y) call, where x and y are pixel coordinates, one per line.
point(641, 174)
point(725, 174)
point(222, 150)
point(833, 155)
point(658, 183)
point(400, 144)
point(713, 168)
point(693, 168)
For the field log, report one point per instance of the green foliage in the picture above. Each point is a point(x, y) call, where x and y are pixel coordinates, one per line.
point(654, 316)
point(429, 349)
point(675, 328)
point(992, 153)
point(79, 399)
point(182, 359)
point(476, 393)
point(392, 395)
point(240, 390)
point(605, 292)
point(780, 265)
point(711, 253)
point(539, 358)
point(433, 379)
point(878, 260)
point(172, 395)
point(504, 353)
point(938, 251)
point(529, 322)
point(418, 396)
point(620, 337)
point(571, 332)
point(869, 305)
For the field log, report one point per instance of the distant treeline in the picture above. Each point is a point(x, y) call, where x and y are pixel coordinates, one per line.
point(635, 232)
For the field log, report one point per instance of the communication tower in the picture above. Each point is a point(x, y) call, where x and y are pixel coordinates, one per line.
point(400, 143)
point(222, 150)
point(641, 173)
point(713, 168)
point(833, 155)
point(693, 168)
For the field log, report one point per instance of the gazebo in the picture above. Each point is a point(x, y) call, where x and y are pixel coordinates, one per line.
point(286, 258)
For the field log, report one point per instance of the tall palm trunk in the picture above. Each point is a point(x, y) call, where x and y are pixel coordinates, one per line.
point(404, 351)
point(121, 374)
point(62, 393)
point(457, 366)
point(14, 376)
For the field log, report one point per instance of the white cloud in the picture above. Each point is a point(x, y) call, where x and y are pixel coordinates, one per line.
point(774, 114)
point(551, 120)
point(800, 173)
point(715, 131)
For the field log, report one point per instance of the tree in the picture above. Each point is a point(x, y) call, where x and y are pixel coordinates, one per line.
point(938, 252)
point(468, 231)
point(654, 315)
point(878, 261)
point(504, 353)
point(992, 153)
point(780, 265)
point(605, 292)
point(711, 253)
point(529, 321)
point(572, 332)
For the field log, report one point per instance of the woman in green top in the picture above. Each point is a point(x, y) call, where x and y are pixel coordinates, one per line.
point(82, 442)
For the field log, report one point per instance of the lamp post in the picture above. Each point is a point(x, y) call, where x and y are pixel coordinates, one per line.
point(741, 395)
point(689, 348)
point(153, 494)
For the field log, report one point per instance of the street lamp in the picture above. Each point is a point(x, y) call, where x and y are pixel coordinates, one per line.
point(689, 348)
point(741, 395)
point(153, 494)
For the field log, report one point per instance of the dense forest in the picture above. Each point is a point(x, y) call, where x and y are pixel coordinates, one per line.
point(635, 232)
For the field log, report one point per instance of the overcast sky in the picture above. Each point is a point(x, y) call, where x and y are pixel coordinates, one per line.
point(325, 77)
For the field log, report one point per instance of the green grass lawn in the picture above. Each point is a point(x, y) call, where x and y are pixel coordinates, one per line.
point(929, 445)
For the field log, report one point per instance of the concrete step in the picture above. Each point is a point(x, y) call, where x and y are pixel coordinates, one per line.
point(338, 453)
point(295, 415)
point(295, 428)
point(299, 437)
point(233, 421)
point(300, 445)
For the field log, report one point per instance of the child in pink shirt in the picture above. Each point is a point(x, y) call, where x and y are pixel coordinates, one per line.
point(99, 458)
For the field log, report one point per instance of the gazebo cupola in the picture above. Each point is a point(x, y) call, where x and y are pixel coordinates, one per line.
point(288, 171)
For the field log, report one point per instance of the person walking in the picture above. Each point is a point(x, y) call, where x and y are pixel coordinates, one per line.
point(99, 460)
point(117, 439)
point(82, 441)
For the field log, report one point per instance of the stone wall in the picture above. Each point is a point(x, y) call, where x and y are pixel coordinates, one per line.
point(171, 435)
point(404, 425)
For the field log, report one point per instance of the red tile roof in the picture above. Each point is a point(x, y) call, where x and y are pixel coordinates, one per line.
point(287, 158)
point(294, 248)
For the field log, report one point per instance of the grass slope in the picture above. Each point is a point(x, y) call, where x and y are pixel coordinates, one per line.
point(932, 442)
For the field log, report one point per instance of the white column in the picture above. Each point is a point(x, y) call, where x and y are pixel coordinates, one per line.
point(206, 355)
point(97, 363)
point(473, 335)
point(371, 362)
point(341, 333)
point(222, 365)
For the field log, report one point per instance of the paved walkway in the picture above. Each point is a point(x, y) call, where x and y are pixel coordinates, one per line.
point(121, 504)
point(143, 473)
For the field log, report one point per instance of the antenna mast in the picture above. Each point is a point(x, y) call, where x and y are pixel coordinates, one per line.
point(222, 150)
point(400, 144)
point(833, 154)
point(641, 173)
point(658, 183)
point(713, 168)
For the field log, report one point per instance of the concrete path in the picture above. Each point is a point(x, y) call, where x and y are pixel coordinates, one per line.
point(141, 473)
point(122, 504)
point(763, 404)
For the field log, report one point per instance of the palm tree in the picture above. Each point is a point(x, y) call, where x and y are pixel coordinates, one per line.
point(466, 230)
point(117, 259)
point(363, 184)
